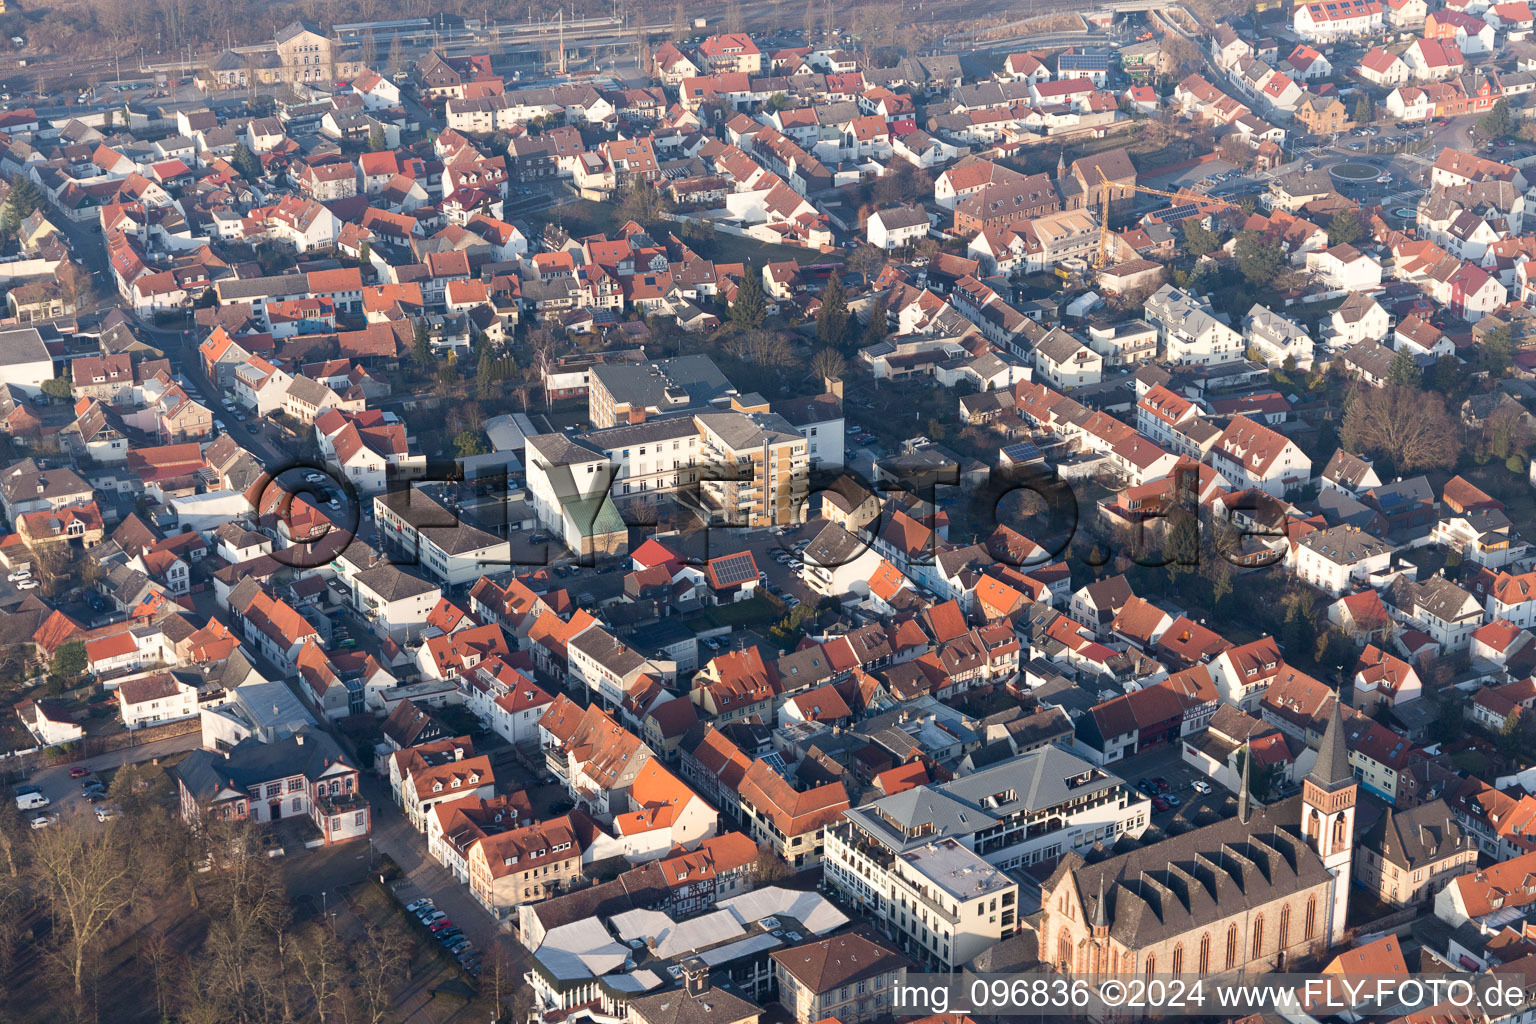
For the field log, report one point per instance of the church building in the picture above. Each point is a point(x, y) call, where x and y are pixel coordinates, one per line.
point(1254, 893)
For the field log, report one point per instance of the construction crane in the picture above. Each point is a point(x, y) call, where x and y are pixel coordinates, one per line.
point(1101, 260)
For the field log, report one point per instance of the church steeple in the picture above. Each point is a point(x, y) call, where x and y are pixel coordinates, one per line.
point(1331, 771)
point(1243, 790)
point(1328, 813)
point(1098, 928)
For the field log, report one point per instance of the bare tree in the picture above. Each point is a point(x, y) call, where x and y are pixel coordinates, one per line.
point(86, 875)
point(733, 19)
point(155, 953)
point(379, 960)
point(249, 911)
point(10, 833)
point(1405, 424)
point(318, 960)
point(828, 363)
point(761, 348)
point(500, 968)
point(769, 867)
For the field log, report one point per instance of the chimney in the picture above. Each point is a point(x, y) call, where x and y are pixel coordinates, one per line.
point(696, 976)
point(298, 738)
point(833, 386)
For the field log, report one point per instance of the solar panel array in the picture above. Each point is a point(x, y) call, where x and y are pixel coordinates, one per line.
point(734, 569)
point(1083, 62)
point(1022, 452)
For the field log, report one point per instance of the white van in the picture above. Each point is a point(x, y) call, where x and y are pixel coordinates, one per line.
point(31, 801)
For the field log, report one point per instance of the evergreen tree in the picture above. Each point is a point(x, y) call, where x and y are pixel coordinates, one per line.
point(1198, 239)
point(832, 318)
point(421, 343)
point(1498, 122)
point(1345, 228)
point(246, 163)
point(469, 442)
point(1404, 371)
point(1363, 112)
point(750, 307)
point(878, 326)
point(1495, 350)
point(486, 381)
point(25, 196)
point(1259, 258)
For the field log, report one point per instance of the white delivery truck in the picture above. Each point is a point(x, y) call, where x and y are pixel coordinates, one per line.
point(31, 801)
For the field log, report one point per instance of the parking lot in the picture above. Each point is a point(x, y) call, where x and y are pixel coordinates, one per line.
point(1166, 762)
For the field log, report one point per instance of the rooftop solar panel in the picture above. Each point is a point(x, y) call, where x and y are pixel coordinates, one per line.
point(1022, 452)
point(734, 569)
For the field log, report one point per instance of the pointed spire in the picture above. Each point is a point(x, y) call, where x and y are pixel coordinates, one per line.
point(1331, 771)
point(1242, 792)
point(1100, 914)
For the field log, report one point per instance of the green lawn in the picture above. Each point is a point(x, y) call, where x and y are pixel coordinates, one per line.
point(725, 248)
point(742, 613)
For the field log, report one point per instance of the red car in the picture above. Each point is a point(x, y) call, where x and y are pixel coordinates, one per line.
point(78, 772)
point(1161, 804)
point(438, 926)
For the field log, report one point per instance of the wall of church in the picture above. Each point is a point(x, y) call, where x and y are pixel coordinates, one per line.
point(1253, 940)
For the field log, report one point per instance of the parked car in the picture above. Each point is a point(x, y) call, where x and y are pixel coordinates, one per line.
point(108, 812)
point(78, 771)
point(429, 917)
point(27, 585)
point(1202, 786)
point(44, 820)
point(1172, 800)
point(440, 924)
point(1161, 784)
point(26, 788)
point(1160, 804)
point(19, 575)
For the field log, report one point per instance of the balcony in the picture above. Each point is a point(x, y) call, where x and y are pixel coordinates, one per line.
point(341, 803)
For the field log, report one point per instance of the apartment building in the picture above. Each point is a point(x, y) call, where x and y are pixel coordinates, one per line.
point(570, 481)
point(1028, 809)
point(849, 978)
point(417, 526)
point(755, 467)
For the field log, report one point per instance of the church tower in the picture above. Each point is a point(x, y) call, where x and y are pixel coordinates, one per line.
point(1328, 815)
